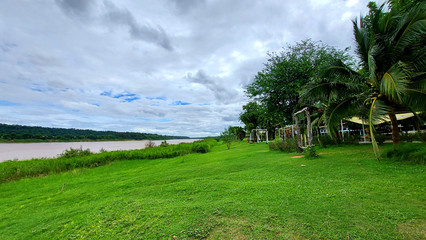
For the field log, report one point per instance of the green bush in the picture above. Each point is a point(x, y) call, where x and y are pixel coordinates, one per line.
point(350, 139)
point(75, 152)
point(200, 147)
point(326, 140)
point(280, 145)
point(310, 152)
point(380, 138)
point(164, 144)
point(408, 152)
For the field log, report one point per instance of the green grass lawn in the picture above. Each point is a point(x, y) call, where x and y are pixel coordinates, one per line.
point(247, 192)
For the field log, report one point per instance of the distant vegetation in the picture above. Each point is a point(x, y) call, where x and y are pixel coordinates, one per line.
point(17, 133)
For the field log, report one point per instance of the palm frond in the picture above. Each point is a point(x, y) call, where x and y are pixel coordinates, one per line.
point(395, 81)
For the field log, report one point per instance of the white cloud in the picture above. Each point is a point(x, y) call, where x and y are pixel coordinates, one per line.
point(58, 57)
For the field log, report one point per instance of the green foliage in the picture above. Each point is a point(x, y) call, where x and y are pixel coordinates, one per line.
point(164, 144)
point(417, 136)
point(380, 138)
point(201, 147)
point(390, 46)
point(326, 140)
point(228, 136)
point(19, 133)
point(409, 152)
point(75, 152)
point(280, 145)
point(351, 139)
point(274, 94)
point(310, 152)
point(239, 132)
point(149, 144)
point(76, 158)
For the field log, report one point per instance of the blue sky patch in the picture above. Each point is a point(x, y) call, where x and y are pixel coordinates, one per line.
point(129, 99)
point(157, 98)
point(177, 103)
point(7, 103)
point(124, 96)
point(164, 120)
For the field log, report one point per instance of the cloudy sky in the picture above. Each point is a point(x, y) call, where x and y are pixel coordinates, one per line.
point(174, 67)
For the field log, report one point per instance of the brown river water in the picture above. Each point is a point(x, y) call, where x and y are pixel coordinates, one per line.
point(25, 151)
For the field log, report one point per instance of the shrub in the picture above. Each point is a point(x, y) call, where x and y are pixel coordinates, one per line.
point(75, 152)
point(310, 152)
point(164, 144)
point(408, 152)
point(280, 145)
point(199, 147)
point(351, 139)
point(149, 144)
point(380, 138)
point(325, 140)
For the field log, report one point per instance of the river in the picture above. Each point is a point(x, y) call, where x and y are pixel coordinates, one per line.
point(25, 151)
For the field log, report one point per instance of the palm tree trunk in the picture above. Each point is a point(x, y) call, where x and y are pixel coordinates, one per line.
point(395, 130)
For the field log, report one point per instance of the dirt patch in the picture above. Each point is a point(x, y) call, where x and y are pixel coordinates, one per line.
point(415, 229)
point(297, 156)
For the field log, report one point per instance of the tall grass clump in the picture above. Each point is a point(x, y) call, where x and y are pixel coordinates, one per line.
point(75, 152)
point(408, 152)
point(14, 170)
point(279, 145)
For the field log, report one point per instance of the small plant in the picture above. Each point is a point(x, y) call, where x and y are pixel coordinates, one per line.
point(325, 140)
point(380, 138)
point(310, 152)
point(164, 144)
point(75, 152)
point(289, 146)
point(228, 137)
point(409, 152)
point(350, 139)
point(102, 150)
point(149, 144)
point(200, 147)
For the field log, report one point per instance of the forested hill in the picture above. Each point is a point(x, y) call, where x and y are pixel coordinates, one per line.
point(26, 133)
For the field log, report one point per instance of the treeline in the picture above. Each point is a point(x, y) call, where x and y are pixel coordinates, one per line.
point(25, 133)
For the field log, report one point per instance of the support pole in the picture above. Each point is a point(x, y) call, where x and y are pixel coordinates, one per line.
point(266, 136)
point(299, 137)
point(341, 127)
point(257, 136)
point(363, 130)
point(285, 136)
point(308, 119)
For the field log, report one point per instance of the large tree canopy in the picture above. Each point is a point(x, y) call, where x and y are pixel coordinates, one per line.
point(391, 48)
point(274, 94)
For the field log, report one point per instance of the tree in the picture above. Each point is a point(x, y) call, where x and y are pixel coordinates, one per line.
point(228, 137)
point(238, 131)
point(275, 90)
point(391, 49)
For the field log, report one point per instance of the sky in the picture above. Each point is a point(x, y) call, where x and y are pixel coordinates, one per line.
point(170, 67)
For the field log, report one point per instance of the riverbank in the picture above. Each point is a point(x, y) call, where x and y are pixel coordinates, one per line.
point(26, 151)
point(247, 192)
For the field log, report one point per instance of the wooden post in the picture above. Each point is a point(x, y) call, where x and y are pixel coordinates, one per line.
point(266, 136)
point(363, 130)
point(257, 136)
point(285, 136)
point(308, 119)
point(299, 137)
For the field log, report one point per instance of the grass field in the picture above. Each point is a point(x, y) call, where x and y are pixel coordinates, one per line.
point(247, 192)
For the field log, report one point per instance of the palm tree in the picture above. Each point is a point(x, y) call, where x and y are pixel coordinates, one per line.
point(391, 49)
